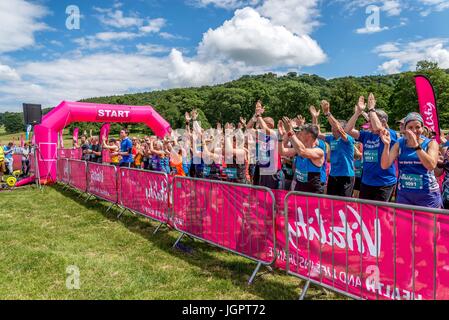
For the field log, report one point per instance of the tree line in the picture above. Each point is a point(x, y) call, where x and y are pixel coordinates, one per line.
point(287, 95)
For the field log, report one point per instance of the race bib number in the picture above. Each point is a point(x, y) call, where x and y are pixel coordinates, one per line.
point(231, 173)
point(358, 173)
point(371, 156)
point(333, 145)
point(206, 171)
point(264, 157)
point(302, 176)
point(412, 181)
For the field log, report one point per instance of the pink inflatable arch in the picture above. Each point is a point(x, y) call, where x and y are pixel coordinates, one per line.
point(46, 134)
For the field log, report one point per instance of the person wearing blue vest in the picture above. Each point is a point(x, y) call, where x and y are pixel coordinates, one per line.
point(197, 162)
point(156, 149)
point(310, 152)
point(417, 157)
point(8, 151)
point(126, 147)
point(268, 160)
point(377, 184)
point(342, 175)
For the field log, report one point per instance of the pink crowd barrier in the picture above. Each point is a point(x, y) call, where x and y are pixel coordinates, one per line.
point(238, 218)
point(63, 170)
point(365, 249)
point(78, 178)
point(75, 154)
point(102, 181)
point(106, 156)
point(149, 192)
point(32, 158)
point(361, 249)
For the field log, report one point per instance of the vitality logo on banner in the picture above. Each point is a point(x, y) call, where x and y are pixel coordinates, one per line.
point(428, 105)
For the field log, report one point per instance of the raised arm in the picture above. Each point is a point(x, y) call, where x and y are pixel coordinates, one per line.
point(314, 154)
point(388, 156)
point(215, 157)
point(157, 152)
point(359, 109)
point(238, 152)
point(105, 145)
point(357, 153)
point(428, 159)
point(315, 120)
point(283, 149)
point(197, 135)
point(259, 112)
point(376, 124)
point(253, 120)
point(325, 105)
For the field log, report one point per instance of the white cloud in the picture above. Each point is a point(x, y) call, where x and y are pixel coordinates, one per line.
point(439, 54)
point(368, 30)
point(299, 16)
point(391, 67)
point(56, 43)
point(109, 36)
point(169, 36)
point(224, 4)
point(254, 40)
point(116, 19)
point(105, 39)
point(90, 76)
point(396, 7)
point(151, 48)
point(19, 21)
point(407, 55)
point(248, 43)
point(153, 26)
point(386, 47)
point(391, 7)
point(185, 73)
point(430, 6)
point(7, 73)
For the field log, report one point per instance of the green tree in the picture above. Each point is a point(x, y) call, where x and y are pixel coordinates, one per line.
point(344, 95)
point(227, 105)
point(404, 98)
point(293, 98)
point(13, 122)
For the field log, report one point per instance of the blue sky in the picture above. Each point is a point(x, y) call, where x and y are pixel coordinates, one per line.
point(141, 45)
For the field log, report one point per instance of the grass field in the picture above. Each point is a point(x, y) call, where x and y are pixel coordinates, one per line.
point(44, 232)
point(5, 138)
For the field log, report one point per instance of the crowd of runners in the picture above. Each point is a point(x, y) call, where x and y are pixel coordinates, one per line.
point(373, 162)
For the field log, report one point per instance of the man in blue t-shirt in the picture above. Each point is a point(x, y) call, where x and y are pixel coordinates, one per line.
point(342, 175)
point(126, 147)
point(9, 160)
point(377, 184)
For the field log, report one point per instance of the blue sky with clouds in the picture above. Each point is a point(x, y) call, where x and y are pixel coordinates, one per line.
point(141, 45)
